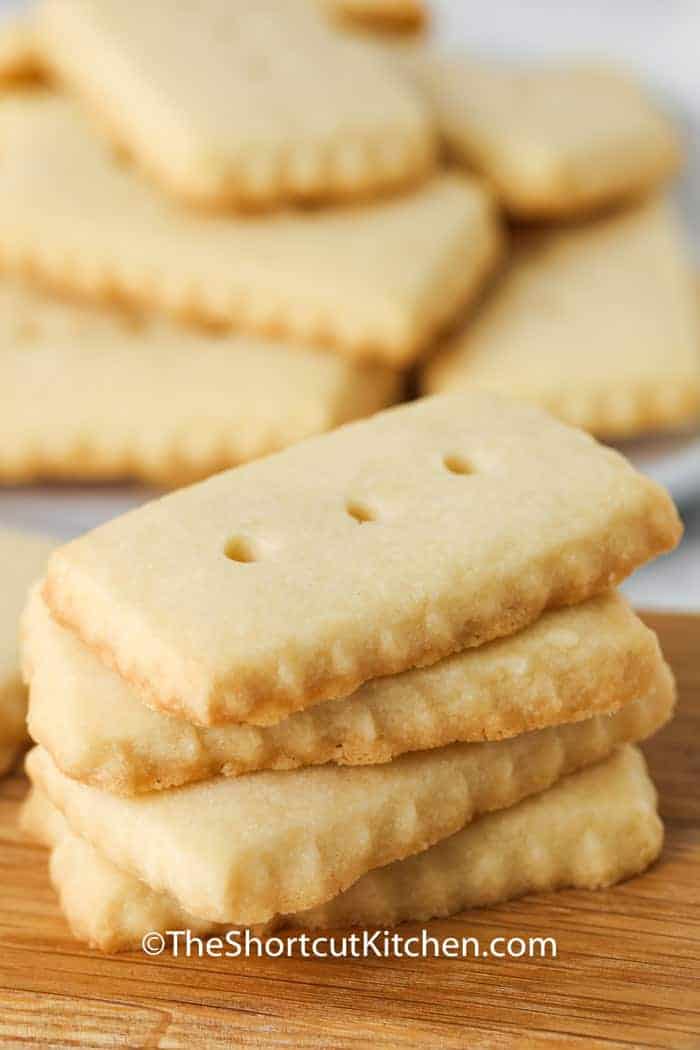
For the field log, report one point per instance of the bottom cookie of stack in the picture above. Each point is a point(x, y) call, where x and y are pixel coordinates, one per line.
point(589, 830)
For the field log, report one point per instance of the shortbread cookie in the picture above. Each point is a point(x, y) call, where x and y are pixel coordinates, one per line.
point(390, 15)
point(591, 829)
point(570, 664)
point(552, 141)
point(229, 102)
point(40, 821)
point(246, 849)
point(19, 57)
point(375, 280)
point(597, 323)
point(385, 545)
point(22, 561)
point(90, 394)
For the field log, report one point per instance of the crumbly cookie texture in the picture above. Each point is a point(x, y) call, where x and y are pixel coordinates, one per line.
point(591, 829)
point(240, 102)
point(247, 849)
point(22, 561)
point(599, 323)
point(571, 664)
point(384, 545)
point(92, 394)
point(553, 142)
point(375, 280)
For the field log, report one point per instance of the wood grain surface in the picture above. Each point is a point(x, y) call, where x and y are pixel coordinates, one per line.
point(627, 972)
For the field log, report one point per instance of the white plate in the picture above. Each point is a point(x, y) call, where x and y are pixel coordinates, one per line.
point(67, 511)
point(673, 461)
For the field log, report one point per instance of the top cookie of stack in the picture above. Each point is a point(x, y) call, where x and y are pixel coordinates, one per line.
point(256, 593)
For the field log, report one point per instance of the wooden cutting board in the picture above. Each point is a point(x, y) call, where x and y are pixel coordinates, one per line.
point(627, 972)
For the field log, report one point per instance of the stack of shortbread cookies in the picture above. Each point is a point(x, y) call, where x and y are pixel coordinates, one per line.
point(382, 675)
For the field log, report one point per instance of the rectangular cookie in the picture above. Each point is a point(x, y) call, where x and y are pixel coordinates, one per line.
point(246, 849)
point(240, 102)
point(22, 561)
point(552, 141)
point(570, 664)
point(384, 545)
point(591, 829)
point(598, 323)
point(91, 394)
point(375, 280)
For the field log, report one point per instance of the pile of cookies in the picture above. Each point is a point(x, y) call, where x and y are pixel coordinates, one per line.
point(381, 675)
point(247, 168)
point(249, 214)
point(595, 314)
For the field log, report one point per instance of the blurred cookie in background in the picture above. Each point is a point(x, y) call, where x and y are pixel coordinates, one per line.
point(553, 141)
point(597, 322)
point(101, 395)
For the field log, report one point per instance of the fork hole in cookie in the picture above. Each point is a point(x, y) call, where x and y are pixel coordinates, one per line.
point(241, 549)
point(457, 464)
point(361, 512)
